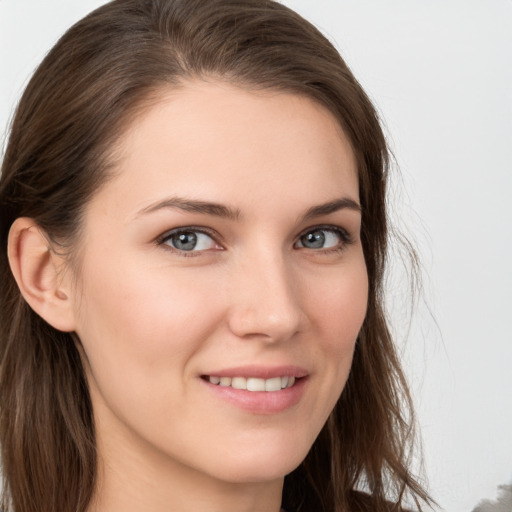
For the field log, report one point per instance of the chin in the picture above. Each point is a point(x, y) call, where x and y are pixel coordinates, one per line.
point(261, 463)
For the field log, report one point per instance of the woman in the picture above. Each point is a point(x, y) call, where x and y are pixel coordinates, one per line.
point(194, 237)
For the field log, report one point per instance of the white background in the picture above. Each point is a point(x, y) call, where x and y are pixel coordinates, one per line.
point(440, 73)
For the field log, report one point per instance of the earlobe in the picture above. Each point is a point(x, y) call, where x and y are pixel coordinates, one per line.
point(38, 273)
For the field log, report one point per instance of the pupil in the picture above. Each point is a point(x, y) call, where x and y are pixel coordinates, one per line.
point(314, 240)
point(185, 241)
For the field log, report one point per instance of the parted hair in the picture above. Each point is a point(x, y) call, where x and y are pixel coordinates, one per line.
point(97, 77)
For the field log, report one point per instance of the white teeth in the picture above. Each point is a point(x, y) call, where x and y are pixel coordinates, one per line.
point(273, 384)
point(253, 383)
point(225, 381)
point(239, 383)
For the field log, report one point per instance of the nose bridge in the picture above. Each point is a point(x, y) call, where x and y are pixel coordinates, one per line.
point(265, 299)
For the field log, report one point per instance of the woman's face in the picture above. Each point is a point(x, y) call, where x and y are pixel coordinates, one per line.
point(227, 245)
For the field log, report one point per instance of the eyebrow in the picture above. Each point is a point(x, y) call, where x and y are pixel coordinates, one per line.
point(220, 210)
point(332, 207)
point(193, 206)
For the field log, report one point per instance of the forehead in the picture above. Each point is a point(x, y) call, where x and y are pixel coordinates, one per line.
point(213, 137)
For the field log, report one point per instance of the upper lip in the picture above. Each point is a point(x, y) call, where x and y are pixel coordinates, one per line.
point(261, 372)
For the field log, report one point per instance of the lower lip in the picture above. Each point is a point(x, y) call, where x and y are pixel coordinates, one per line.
point(260, 402)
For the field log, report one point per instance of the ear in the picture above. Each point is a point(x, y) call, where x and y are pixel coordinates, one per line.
point(41, 274)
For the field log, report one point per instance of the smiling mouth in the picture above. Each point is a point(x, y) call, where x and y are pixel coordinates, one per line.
point(252, 383)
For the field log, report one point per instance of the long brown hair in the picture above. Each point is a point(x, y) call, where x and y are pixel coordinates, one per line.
point(74, 109)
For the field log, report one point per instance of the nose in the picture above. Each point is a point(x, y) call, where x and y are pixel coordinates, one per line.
point(265, 300)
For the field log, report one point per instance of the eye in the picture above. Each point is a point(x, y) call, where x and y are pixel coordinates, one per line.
point(189, 240)
point(323, 238)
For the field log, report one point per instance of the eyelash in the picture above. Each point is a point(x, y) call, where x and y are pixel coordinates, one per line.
point(344, 236)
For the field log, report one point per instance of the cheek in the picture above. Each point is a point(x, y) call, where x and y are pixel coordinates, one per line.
point(141, 332)
point(337, 310)
point(138, 326)
point(340, 307)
